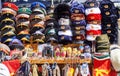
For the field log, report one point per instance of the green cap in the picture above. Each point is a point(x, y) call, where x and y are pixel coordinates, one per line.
point(24, 10)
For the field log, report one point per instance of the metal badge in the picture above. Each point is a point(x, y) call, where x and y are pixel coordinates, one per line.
point(106, 6)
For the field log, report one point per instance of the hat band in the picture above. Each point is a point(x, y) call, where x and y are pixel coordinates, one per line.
point(8, 10)
point(67, 33)
point(22, 16)
point(94, 10)
point(93, 32)
point(93, 27)
point(63, 21)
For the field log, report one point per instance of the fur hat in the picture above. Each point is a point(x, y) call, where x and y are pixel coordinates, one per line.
point(62, 9)
point(94, 10)
point(4, 71)
point(115, 56)
point(90, 3)
point(77, 8)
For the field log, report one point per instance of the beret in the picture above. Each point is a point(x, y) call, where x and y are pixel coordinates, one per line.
point(92, 17)
point(90, 3)
point(24, 11)
point(22, 16)
point(66, 32)
point(64, 21)
point(94, 10)
point(8, 11)
point(79, 23)
point(37, 4)
point(77, 8)
point(10, 5)
point(93, 27)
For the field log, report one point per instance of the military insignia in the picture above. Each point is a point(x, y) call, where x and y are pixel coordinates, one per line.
point(91, 10)
point(62, 37)
point(77, 32)
point(108, 25)
point(76, 11)
point(24, 9)
point(106, 6)
point(92, 17)
point(62, 27)
point(77, 28)
point(107, 13)
point(108, 31)
point(78, 37)
point(9, 5)
point(37, 5)
point(92, 4)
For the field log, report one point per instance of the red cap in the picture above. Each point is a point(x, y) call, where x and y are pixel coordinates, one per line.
point(93, 32)
point(10, 5)
point(92, 17)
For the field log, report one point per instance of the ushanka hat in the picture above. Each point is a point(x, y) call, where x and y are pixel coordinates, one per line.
point(106, 5)
point(77, 8)
point(90, 3)
point(62, 9)
point(115, 56)
point(24, 10)
point(95, 10)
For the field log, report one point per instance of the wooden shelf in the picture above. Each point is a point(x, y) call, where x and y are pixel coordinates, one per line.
point(63, 61)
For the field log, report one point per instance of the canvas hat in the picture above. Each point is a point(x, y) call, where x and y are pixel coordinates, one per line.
point(77, 8)
point(24, 10)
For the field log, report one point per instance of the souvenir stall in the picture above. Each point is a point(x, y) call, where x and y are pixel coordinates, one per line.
point(75, 39)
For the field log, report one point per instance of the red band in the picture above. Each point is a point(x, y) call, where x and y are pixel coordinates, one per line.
point(93, 32)
point(91, 17)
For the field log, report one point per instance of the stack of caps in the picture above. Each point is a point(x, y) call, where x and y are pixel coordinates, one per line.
point(62, 15)
point(23, 24)
point(109, 20)
point(78, 21)
point(51, 31)
point(93, 17)
point(37, 20)
point(7, 22)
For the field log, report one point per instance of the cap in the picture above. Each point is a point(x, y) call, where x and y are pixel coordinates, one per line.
point(8, 11)
point(10, 5)
point(8, 21)
point(24, 11)
point(90, 4)
point(37, 4)
point(92, 17)
point(22, 16)
point(94, 10)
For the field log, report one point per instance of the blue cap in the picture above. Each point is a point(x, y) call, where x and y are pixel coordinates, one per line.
point(37, 4)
